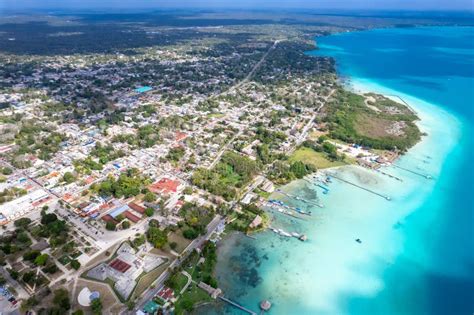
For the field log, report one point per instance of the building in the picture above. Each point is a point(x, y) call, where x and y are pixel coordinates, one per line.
point(256, 222)
point(165, 186)
point(125, 268)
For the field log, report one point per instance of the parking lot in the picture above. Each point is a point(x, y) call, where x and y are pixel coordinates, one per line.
point(8, 304)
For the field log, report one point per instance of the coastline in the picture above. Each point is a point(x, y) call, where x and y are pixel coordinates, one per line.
point(330, 263)
point(233, 240)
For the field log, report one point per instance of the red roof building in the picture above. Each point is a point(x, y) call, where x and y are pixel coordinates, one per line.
point(108, 218)
point(165, 293)
point(120, 265)
point(179, 136)
point(136, 208)
point(131, 216)
point(165, 186)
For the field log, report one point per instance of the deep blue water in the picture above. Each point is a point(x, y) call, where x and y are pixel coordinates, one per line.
point(436, 65)
point(417, 256)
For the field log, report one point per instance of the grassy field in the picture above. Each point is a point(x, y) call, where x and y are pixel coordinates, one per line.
point(179, 239)
point(317, 159)
point(192, 295)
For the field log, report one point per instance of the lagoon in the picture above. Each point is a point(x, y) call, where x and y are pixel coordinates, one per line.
point(417, 250)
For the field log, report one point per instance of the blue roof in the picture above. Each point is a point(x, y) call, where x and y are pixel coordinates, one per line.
point(119, 210)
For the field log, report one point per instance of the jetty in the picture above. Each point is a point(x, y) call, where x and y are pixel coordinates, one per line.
point(361, 187)
point(283, 208)
point(301, 237)
point(275, 207)
point(237, 305)
point(385, 173)
point(299, 198)
point(413, 172)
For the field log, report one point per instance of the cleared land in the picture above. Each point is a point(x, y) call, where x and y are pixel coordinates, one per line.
point(316, 159)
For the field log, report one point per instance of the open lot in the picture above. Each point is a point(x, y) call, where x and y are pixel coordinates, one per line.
point(317, 159)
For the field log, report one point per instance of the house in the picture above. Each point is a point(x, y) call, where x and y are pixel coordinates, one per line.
point(256, 222)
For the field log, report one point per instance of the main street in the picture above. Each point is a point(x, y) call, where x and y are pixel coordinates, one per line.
point(197, 243)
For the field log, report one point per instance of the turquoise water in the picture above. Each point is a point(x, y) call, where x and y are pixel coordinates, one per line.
point(417, 250)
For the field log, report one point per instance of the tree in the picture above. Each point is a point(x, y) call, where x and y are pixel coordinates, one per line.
point(149, 212)
point(28, 277)
point(6, 171)
point(41, 260)
point(96, 306)
point(69, 177)
point(157, 237)
point(31, 255)
point(187, 305)
point(61, 299)
point(50, 268)
point(190, 233)
point(48, 218)
point(75, 264)
point(22, 223)
point(149, 197)
point(125, 224)
point(29, 304)
point(110, 226)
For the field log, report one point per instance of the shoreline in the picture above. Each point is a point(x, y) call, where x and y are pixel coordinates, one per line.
point(427, 117)
point(393, 242)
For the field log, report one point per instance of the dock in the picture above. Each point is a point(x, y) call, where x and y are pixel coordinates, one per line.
point(237, 305)
point(317, 204)
point(386, 174)
point(361, 187)
point(413, 172)
point(273, 207)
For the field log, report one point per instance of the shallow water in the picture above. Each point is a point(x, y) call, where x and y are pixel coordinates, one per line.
point(416, 255)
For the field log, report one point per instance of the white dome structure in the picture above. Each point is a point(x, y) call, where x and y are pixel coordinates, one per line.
point(84, 297)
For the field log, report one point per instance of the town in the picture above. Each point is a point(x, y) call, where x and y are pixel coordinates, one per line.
point(122, 170)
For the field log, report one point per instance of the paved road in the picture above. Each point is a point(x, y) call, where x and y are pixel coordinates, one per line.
point(148, 295)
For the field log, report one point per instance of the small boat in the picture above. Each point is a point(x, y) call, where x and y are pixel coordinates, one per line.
point(358, 241)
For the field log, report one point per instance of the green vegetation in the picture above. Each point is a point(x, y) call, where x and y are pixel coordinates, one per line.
point(319, 160)
point(127, 185)
point(146, 137)
point(75, 264)
point(232, 172)
point(61, 302)
point(11, 193)
point(96, 306)
point(156, 237)
point(176, 153)
point(110, 226)
point(196, 219)
point(383, 124)
point(191, 297)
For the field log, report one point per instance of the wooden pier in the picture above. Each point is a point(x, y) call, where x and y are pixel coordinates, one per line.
point(413, 172)
point(360, 187)
point(236, 305)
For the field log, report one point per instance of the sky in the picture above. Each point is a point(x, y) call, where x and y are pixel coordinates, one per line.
point(241, 4)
